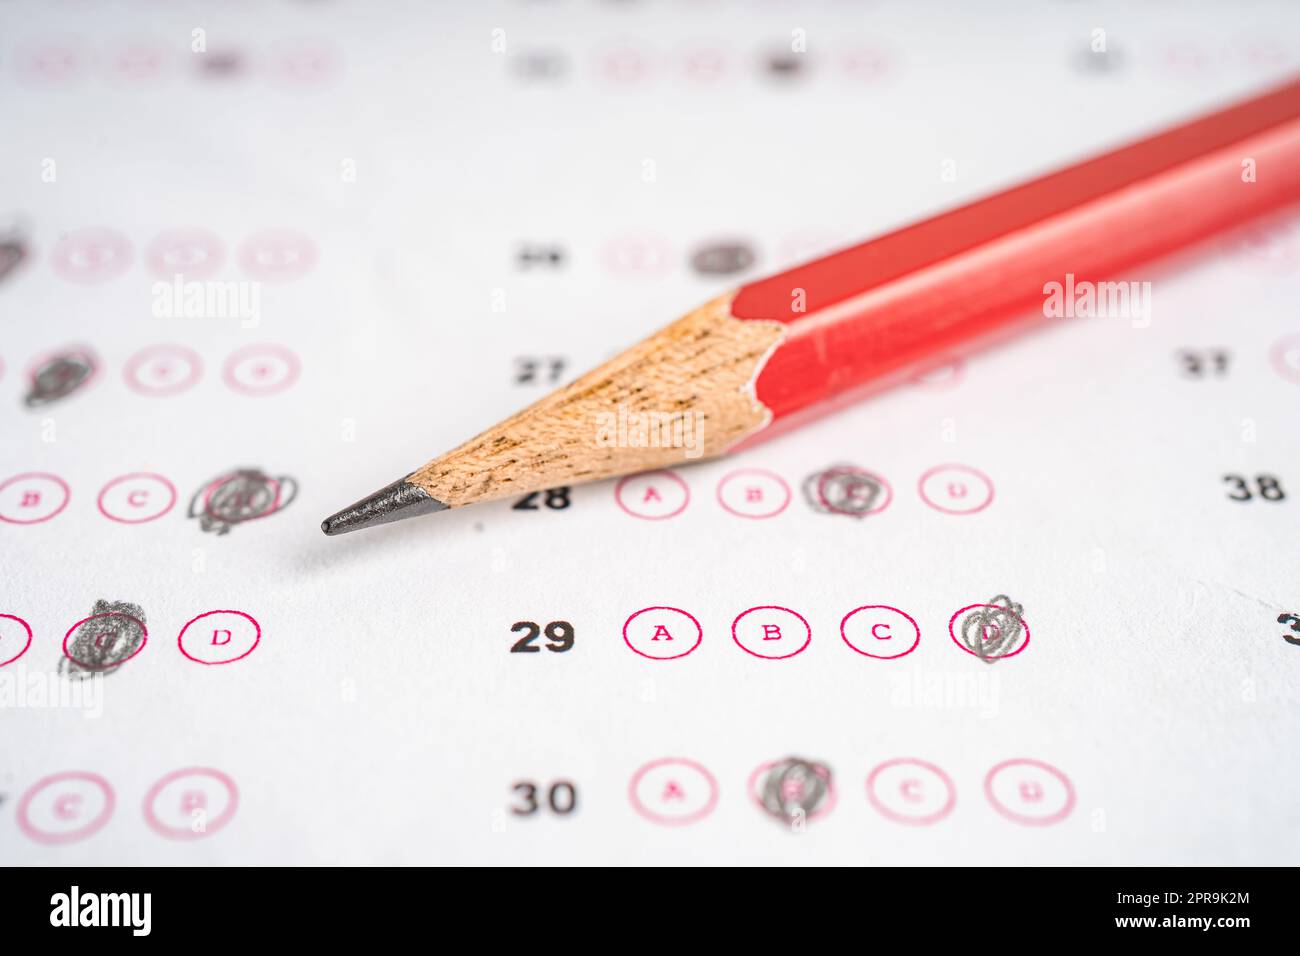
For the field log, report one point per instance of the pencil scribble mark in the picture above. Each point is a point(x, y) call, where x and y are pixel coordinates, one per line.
point(12, 254)
point(1294, 621)
point(994, 630)
point(722, 259)
point(785, 65)
point(540, 65)
point(105, 641)
point(842, 490)
point(547, 255)
point(239, 496)
point(794, 789)
point(221, 63)
point(59, 376)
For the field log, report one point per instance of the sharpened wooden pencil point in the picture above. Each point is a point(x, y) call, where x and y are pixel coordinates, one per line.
point(697, 372)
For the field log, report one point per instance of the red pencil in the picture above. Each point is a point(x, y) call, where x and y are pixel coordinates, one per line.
point(780, 350)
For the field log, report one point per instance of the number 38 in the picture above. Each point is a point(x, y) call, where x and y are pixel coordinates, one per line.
point(1265, 486)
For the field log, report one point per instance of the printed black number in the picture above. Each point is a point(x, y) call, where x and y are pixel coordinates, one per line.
point(533, 370)
point(528, 792)
point(559, 637)
point(1202, 364)
point(525, 644)
point(556, 499)
point(547, 256)
point(561, 798)
point(1270, 489)
point(1266, 486)
point(1294, 621)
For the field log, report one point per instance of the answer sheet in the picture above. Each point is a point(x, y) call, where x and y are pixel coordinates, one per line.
point(1040, 605)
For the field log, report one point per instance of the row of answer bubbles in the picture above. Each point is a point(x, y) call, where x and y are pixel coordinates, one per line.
point(98, 254)
point(186, 804)
point(160, 371)
point(840, 489)
point(196, 802)
point(115, 633)
point(989, 631)
point(235, 496)
point(59, 63)
point(676, 791)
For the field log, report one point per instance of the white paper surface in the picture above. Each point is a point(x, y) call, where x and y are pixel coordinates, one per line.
point(381, 717)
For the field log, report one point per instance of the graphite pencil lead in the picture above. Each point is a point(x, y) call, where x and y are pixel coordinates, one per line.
point(399, 500)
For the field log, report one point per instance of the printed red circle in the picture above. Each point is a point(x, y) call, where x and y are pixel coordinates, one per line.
point(638, 256)
point(784, 646)
point(91, 256)
point(144, 639)
point(765, 495)
point(704, 66)
point(663, 504)
point(189, 253)
point(653, 642)
point(14, 496)
point(8, 631)
point(115, 500)
point(699, 796)
point(832, 797)
point(1285, 355)
point(1269, 248)
point(1189, 58)
point(952, 633)
point(164, 823)
point(873, 631)
point(138, 61)
point(53, 62)
point(1045, 781)
point(952, 498)
point(307, 63)
point(277, 255)
point(625, 65)
point(868, 64)
point(261, 369)
point(32, 805)
point(927, 809)
point(162, 370)
point(247, 643)
point(1266, 54)
point(848, 471)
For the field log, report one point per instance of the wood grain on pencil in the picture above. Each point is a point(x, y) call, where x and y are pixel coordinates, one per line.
point(703, 365)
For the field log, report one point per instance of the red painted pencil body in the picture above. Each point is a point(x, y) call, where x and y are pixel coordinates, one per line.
point(867, 313)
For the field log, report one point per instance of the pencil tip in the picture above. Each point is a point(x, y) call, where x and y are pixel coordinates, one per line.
point(399, 500)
